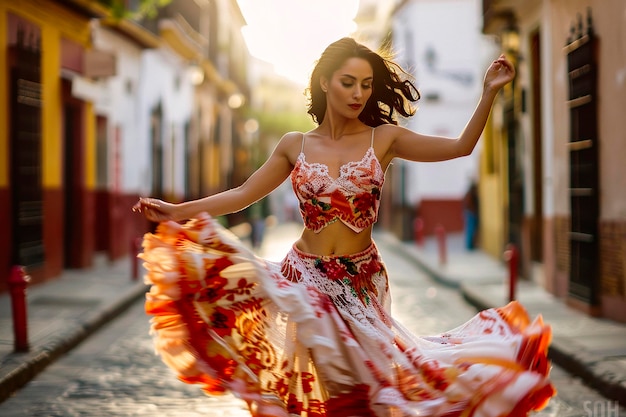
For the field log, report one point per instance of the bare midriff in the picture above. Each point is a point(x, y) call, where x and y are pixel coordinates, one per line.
point(335, 239)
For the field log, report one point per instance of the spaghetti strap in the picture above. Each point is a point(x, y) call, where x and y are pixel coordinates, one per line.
point(372, 141)
point(302, 147)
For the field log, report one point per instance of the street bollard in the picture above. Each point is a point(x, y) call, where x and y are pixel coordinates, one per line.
point(440, 231)
point(418, 231)
point(511, 256)
point(18, 281)
point(135, 248)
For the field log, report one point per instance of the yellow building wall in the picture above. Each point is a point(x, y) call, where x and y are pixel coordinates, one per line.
point(491, 189)
point(90, 146)
point(52, 111)
point(55, 23)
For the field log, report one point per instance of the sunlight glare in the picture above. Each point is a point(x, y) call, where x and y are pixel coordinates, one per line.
point(291, 34)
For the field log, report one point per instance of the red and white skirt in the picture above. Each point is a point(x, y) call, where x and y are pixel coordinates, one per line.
point(312, 335)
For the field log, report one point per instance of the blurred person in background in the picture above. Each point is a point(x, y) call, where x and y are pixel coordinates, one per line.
point(470, 216)
point(257, 215)
point(312, 335)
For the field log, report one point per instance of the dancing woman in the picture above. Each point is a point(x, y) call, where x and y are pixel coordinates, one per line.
point(312, 335)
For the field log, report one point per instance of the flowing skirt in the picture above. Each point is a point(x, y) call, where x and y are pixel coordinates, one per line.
point(313, 336)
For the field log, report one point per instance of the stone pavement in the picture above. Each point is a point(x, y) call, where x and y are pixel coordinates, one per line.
point(591, 348)
point(64, 312)
point(61, 314)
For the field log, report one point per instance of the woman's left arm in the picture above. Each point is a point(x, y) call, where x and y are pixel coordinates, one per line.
point(407, 144)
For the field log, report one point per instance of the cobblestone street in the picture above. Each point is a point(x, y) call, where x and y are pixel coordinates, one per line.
point(115, 372)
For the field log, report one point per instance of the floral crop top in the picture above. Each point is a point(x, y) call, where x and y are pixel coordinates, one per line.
point(353, 197)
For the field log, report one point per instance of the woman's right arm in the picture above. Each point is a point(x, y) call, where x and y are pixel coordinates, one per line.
point(263, 181)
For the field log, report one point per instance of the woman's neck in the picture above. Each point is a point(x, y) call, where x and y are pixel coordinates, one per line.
point(335, 128)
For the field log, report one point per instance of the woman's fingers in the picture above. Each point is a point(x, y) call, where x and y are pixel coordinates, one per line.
point(501, 72)
point(504, 63)
point(151, 208)
point(144, 203)
point(149, 202)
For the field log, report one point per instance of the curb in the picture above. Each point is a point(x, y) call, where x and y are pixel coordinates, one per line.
point(55, 348)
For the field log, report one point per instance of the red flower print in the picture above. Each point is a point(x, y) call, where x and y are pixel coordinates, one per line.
point(243, 288)
point(356, 401)
point(332, 268)
point(223, 365)
point(316, 408)
point(214, 267)
point(254, 356)
point(222, 321)
point(370, 267)
point(320, 302)
point(307, 382)
point(282, 385)
point(434, 374)
point(214, 290)
point(311, 211)
point(313, 215)
point(363, 202)
point(293, 405)
point(335, 270)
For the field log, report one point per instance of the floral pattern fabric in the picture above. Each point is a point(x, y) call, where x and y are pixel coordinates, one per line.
point(353, 197)
point(313, 336)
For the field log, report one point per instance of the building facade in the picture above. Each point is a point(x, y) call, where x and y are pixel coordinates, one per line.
point(440, 44)
point(556, 143)
point(101, 110)
point(47, 138)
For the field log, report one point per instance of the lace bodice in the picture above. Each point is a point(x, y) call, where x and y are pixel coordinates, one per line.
point(353, 197)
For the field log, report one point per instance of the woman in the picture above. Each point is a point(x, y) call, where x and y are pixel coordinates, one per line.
point(312, 335)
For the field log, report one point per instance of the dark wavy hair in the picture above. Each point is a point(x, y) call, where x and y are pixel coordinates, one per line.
point(390, 92)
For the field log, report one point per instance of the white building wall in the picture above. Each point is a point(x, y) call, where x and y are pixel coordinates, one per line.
point(449, 32)
point(164, 80)
point(118, 103)
point(144, 78)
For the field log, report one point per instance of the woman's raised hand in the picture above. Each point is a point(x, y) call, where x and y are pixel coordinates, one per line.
point(154, 209)
point(500, 72)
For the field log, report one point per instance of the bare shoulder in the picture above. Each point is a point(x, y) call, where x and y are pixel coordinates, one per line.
point(289, 146)
point(384, 138)
point(387, 132)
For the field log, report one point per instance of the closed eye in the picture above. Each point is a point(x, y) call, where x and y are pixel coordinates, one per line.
point(363, 86)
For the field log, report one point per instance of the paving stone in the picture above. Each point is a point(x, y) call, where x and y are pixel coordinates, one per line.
point(115, 372)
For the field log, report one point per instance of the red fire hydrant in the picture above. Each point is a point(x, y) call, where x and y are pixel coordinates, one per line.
point(440, 231)
point(511, 256)
point(18, 281)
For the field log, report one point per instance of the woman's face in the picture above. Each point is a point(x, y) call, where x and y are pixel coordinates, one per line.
point(349, 88)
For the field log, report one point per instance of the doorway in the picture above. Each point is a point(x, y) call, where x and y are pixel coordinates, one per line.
point(73, 178)
point(536, 224)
